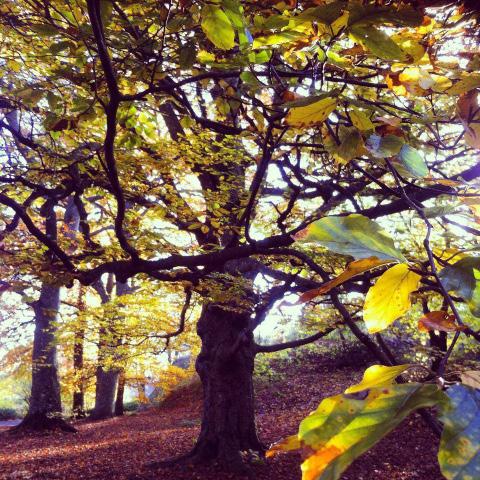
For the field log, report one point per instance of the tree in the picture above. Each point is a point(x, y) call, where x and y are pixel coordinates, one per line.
point(207, 135)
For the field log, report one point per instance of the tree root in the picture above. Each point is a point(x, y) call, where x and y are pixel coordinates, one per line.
point(230, 461)
point(42, 423)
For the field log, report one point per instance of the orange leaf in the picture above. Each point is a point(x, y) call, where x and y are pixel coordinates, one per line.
point(438, 320)
point(285, 445)
point(353, 269)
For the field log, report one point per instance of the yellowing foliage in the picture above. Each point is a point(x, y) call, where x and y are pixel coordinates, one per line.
point(389, 298)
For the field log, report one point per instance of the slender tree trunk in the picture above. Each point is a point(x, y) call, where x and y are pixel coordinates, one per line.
point(225, 365)
point(45, 407)
point(78, 406)
point(119, 410)
point(107, 376)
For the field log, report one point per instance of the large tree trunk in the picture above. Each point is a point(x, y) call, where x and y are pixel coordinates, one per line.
point(225, 365)
point(45, 407)
point(105, 391)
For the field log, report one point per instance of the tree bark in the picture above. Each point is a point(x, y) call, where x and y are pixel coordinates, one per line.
point(106, 388)
point(45, 407)
point(78, 405)
point(119, 409)
point(107, 375)
point(225, 366)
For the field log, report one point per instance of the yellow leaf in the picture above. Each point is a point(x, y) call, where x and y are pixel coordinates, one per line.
point(467, 82)
point(340, 22)
point(389, 298)
point(312, 114)
point(378, 376)
point(361, 120)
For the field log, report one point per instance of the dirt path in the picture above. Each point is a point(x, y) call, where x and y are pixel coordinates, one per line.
point(119, 448)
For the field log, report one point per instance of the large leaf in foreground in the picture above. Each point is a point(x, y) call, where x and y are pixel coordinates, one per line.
point(459, 454)
point(347, 425)
point(463, 277)
point(389, 298)
point(354, 235)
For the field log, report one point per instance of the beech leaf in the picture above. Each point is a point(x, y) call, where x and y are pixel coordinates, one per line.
point(217, 27)
point(354, 235)
point(389, 298)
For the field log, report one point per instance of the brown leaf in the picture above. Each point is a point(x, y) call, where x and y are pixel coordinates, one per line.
point(438, 320)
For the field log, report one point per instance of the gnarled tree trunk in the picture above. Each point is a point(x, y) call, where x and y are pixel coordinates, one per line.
point(225, 365)
point(119, 408)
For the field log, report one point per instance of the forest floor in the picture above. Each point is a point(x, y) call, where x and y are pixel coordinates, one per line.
point(119, 449)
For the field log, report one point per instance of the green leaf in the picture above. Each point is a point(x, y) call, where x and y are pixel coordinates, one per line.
point(325, 14)
point(217, 27)
point(370, 15)
point(58, 47)
point(463, 277)
point(106, 9)
point(351, 146)
point(378, 42)
point(353, 235)
point(187, 55)
point(384, 147)
point(413, 161)
point(459, 453)
point(44, 30)
point(467, 82)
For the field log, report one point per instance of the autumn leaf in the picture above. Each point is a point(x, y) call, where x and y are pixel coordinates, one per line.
point(378, 376)
point(361, 120)
point(438, 320)
point(312, 114)
point(345, 426)
point(353, 268)
point(389, 298)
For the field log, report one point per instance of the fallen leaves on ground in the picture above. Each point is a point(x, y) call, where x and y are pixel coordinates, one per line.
point(120, 448)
